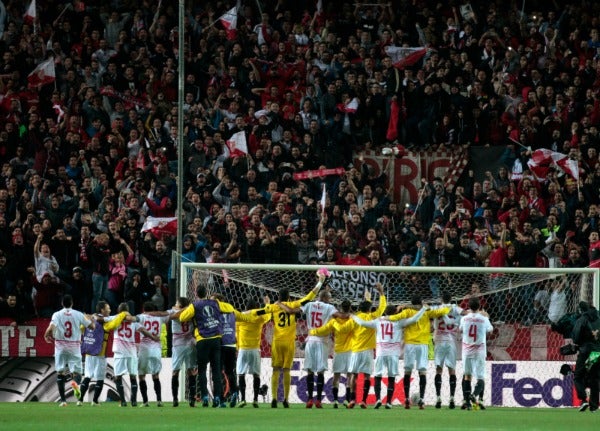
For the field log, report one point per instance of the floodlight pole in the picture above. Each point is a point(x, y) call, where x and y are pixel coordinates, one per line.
point(180, 147)
point(180, 178)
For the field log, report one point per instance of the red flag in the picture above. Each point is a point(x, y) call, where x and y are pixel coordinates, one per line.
point(43, 74)
point(237, 145)
point(31, 14)
point(392, 131)
point(229, 21)
point(403, 57)
point(159, 226)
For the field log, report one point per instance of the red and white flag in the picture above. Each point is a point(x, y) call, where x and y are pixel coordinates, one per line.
point(43, 74)
point(237, 145)
point(542, 159)
point(31, 13)
point(570, 167)
point(349, 107)
point(403, 57)
point(160, 226)
point(229, 22)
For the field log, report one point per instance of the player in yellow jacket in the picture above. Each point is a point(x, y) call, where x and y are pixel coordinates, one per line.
point(283, 346)
point(363, 344)
point(248, 334)
point(416, 346)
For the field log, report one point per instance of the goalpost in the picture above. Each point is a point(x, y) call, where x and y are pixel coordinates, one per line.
point(523, 351)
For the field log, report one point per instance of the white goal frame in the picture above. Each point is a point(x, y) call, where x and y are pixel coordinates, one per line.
point(541, 369)
point(543, 272)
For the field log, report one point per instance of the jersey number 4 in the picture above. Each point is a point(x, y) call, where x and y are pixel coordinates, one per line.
point(473, 332)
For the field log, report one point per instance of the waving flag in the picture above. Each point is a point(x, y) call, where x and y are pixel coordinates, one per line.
point(319, 7)
point(229, 22)
point(160, 226)
point(403, 57)
point(237, 145)
point(349, 107)
point(323, 199)
point(43, 74)
point(542, 159)
point(31, 13)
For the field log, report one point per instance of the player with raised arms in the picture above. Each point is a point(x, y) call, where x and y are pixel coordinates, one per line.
point(416, 347)
point(363, 344)
point(283, 345)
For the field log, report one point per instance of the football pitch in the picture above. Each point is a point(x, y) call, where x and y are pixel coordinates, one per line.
point(109, 416)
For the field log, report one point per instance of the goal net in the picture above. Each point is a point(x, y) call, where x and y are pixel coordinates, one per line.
point(522, 303)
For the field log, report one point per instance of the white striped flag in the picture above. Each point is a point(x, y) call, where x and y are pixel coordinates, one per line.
point(43, 74)
point(229, 22)
point(403, 56)
point(31, 14)
point(159, 226)
point(237, 145)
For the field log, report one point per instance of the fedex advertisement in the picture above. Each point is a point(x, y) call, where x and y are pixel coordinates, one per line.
point(508, 384)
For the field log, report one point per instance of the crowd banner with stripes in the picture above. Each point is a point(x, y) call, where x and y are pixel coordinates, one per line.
point(406, 172)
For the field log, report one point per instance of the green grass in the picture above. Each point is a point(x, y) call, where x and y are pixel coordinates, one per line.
point(109, 416)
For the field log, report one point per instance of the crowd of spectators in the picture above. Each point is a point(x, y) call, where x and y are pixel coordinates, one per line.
point(87, 158)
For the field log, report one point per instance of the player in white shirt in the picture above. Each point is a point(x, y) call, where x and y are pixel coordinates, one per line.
point(316, 353)
point(150, 350)
point(474, 328)
point(65, 331)
point(184, 354)
point(388, 348)
point(445, 339)
point(125, 354)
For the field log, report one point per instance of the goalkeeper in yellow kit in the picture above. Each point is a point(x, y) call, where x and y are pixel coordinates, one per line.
point(283, 346)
